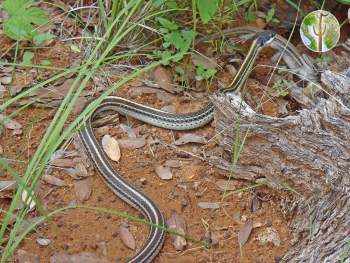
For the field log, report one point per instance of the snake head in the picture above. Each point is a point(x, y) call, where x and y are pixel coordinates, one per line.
point(265, 37)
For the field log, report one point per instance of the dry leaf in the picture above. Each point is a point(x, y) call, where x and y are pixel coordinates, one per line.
point(208, 63)
point(209, 205)
point(8, 185)
point(50, 179)
point(172, 163)
point(9, 124)
point(190, 138)
point(132, 133)
point(178, 224)
point(226, 185)
point(245, 232)
point(111, 147)
point(62, 162)
point(85, 257)
point(126, 236)
point(6, 80)
point(132, 143)
point(82, 189)
point(163, 172)
point(255, 204)
point(163, 77)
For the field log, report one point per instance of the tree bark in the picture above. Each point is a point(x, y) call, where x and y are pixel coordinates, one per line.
point(307, 154)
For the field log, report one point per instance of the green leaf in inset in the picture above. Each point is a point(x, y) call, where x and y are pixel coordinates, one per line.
point(17, 29)
point(41, 38)
point(345, 2)
point(27, 57)
point(207, 9)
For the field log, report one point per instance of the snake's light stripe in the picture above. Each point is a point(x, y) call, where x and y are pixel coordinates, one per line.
point(162, 119)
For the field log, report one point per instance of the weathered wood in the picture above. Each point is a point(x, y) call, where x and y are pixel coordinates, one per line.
point(308, 153)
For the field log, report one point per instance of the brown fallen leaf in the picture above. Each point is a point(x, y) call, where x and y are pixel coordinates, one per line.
point(9, 123)
point(50, 179)
point(126, 236)
point(226, 185)
point(8, 185)
point(82, 189)
point(172, 163)
point(132, 143)
point(209, 205)
point(199, 59)
point(178, 224)
point(245, 232)
point(62, 162)
point(163, 172)
point(6, 80)
point(23, 256)
point(163, 78)
point(255, 204)
point(83, 257)
point(111, 147)
point(132, 133)
point(190, 138)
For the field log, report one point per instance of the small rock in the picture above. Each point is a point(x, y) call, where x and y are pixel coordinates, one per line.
point(23, 256)
point(43, 241)
point(163, 172)
point(209, 205)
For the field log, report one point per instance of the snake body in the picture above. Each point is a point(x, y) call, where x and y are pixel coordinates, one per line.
point(162, 119)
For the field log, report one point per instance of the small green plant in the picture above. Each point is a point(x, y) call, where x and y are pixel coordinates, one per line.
point(175, 38)
point(205, 73)
point(270, 15)
point(281, 86)
point(22, 17)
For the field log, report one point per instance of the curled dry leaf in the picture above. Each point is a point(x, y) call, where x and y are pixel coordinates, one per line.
point(82, 189)
point(245, 232)
point(126, 236)
point(111, 147)
point(132, 143)
point(190, 138)
point(178, 224)
point(209, 205)
point(163, 77)
point(2, 91)
point(163, 172)
point(50, 179)
point(10, 124)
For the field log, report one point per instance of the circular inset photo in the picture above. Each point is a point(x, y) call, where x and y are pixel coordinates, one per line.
point(320, 31)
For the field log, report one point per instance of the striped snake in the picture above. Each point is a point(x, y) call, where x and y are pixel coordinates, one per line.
point(162, 119)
